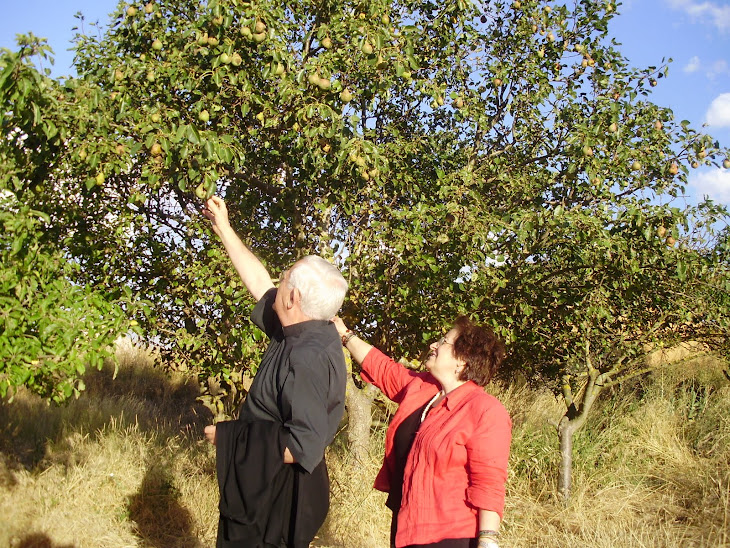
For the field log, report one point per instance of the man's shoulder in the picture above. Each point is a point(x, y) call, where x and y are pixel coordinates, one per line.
point(324, 345)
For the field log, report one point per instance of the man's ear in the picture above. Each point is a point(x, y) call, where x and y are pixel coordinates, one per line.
point(293, 297)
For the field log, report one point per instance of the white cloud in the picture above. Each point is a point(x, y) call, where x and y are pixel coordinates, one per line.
point(712, 70)
point(718, 68)
point(693, 65)
point(718, 115)
point(714, 183)
point(715, 14)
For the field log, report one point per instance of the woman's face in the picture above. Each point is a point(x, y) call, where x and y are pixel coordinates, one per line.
point(441, 362)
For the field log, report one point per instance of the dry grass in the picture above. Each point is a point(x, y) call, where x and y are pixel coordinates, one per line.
point(124, 466)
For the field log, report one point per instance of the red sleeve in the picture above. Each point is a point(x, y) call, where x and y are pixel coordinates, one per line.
point(487, 456)
point(387, 374)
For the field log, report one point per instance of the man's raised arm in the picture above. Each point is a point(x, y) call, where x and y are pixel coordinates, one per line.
point(249, 268)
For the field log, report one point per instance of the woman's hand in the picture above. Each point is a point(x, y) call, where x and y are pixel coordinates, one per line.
point(340, 325)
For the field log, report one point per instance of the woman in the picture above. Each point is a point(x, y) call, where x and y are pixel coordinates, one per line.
point(447, 447)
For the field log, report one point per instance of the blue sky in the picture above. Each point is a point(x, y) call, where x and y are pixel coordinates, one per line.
point(694, 33)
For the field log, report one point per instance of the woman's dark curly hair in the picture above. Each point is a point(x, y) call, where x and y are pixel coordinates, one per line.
point(480, 348)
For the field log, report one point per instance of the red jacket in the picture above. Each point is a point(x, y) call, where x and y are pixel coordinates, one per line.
point(458, 461)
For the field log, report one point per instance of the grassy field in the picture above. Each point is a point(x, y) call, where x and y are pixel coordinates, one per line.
point(124, 465)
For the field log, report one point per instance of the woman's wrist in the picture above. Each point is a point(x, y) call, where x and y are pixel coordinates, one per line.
point(347, 336)
point(488, 538)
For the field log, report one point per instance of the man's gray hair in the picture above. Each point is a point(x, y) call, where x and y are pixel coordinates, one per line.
point(321, 286)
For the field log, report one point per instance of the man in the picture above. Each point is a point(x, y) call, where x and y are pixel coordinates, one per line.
point(275, 450)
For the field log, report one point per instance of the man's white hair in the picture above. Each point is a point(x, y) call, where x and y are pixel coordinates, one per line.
point(321, 286)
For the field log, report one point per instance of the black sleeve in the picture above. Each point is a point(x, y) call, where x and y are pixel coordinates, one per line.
point(305, 394)
point(263, 315)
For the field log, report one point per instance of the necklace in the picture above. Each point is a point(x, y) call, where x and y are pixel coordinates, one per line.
point(428, 407)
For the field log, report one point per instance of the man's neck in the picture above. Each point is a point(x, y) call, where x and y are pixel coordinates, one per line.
point(292, 317)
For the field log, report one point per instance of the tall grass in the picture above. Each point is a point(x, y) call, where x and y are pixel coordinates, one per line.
point(124, 465)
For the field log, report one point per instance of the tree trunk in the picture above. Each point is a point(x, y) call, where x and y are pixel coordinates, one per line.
point(566, 429)
point(359, 402)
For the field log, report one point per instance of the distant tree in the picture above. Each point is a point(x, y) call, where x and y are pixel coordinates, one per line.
point(500, 160)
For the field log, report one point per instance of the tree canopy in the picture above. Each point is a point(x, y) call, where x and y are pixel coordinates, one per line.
point(499, 159)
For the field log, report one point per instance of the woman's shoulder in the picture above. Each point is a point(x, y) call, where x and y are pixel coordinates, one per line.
point(481, 400)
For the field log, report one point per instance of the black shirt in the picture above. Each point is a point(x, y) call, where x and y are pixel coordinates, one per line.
point(300, 382)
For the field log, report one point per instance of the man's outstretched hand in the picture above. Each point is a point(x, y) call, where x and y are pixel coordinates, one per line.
point(216, 212)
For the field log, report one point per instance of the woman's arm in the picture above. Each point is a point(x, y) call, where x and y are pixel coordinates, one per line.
point(355, 345)
point(377, 368)
point(488, 528)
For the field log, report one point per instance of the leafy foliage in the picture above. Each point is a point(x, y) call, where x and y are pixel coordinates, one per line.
point(51, 329)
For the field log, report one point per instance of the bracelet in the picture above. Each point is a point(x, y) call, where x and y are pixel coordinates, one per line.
point(488, 533)
point(346, 336)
